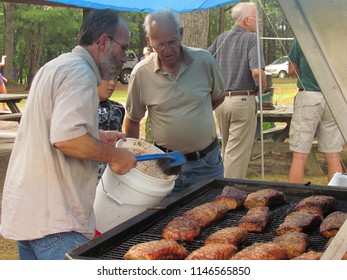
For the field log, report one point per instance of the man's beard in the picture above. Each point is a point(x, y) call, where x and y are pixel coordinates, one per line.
point(108, 67)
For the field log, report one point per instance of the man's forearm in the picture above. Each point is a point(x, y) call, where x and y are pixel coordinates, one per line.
point(132, 129)
point(86, 147)
point(256, 75)
point(217, 102)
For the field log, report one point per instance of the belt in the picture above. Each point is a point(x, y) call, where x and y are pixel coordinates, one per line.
point(240, 92)
point(194, 156)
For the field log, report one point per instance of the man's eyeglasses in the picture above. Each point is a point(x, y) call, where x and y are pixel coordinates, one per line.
point(124, 48)
point(171, 44)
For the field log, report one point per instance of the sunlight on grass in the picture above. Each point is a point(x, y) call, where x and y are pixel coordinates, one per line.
point(119, 96)
point(284, 91)
point(283, 178)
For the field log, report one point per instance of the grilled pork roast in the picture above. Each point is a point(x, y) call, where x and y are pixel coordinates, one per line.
point(213, 252)
point(261, 251)
point(206, 213)
point(293, 243)
point(181, 229)
point(332, 223)
point(232, 197)
point(265, 197)
point(157, 250)
point(229, 235)
point(255, 219)
point(311, 255)
point(298, 221)
point(317, 204)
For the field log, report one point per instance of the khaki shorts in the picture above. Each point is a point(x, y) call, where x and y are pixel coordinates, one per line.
point(312, 118)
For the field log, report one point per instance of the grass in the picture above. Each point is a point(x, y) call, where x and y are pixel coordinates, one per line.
point(119, 96)
point(284, 90)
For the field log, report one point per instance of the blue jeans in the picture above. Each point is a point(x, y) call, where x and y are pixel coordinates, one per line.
point(50, 247)
point(210, 166)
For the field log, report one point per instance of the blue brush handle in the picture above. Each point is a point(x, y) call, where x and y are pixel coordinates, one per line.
point(151, 157)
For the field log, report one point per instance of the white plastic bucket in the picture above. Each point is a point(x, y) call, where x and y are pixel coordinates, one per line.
point(121, 197)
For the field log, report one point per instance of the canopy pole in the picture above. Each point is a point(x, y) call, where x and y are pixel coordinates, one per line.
point(260, 93)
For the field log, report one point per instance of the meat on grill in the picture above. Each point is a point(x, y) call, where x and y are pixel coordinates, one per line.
point(206, 213)
point(265, 197)
point(332, 223)
point(261, 251)
point(232, 197)
point(181, 229)
point(213, 252)
point(310, 255)
point(157, 250)
point(229, 235)
point(317, 204)
point(298, 221)
point(293, 243)
point(255, 219)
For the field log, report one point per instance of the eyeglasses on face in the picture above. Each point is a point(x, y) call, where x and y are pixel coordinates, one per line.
point(124, 48)
point(170, 44)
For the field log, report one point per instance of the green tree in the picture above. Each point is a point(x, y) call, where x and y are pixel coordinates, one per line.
point(137, 32)
point(32, 35)
point(276, 26)
point(40, 34)
point(44, 33)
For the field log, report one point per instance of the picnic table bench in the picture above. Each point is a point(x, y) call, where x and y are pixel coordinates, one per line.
point(11, 100)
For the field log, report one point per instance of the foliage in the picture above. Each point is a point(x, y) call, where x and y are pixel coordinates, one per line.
point(61, 27)
point(54, 29)
point(43, 32)
point(214, 21)
point(275, 26)
point(137, 34)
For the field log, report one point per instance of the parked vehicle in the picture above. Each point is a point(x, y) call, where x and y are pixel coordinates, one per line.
point(124, 76)
point(279, 68)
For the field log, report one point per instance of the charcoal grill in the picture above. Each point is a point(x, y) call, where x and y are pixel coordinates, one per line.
point(148, 226)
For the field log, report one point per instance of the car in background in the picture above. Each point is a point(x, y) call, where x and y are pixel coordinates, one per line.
point(279, 68)
point(124, 76)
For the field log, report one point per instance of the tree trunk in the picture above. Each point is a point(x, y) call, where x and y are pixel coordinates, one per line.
point(35, 53)
point(221, 19)
point(195, 26)
point(9, 39)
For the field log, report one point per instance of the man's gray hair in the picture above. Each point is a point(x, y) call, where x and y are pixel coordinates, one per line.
point(98, 22)
point(162, 16)
point(241, 11)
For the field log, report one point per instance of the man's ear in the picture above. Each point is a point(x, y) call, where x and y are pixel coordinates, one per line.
point(181, 32)
point(102, 41)
point(148, 40)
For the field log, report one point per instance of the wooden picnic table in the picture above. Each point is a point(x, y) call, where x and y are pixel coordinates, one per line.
point(11, 100)
point(277, 136)
point(281, 114)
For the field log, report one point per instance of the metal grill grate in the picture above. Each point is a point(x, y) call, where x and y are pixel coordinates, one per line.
point(152, 230)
